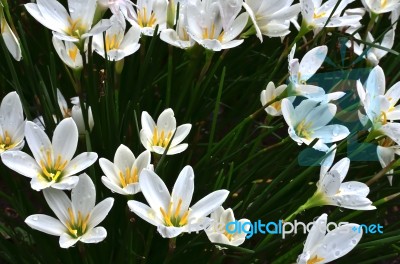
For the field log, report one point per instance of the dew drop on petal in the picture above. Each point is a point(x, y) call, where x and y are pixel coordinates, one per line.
point(337, 253)
point(35, 218)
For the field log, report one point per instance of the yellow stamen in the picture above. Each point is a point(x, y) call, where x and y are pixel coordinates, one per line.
point(302, 129)
point(178, 208)
point(135, 176)
point(122, 179)
point(184, 219)
point(314, 260)
point(383, 118)
point(166, 218)
point(316, 16)
point(142, 18)
point(111, 42)
point(73, 53)
point(77, 227)
point(383, 3)
point(71, 216)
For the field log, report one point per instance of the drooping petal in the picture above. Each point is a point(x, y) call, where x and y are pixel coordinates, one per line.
point(66, 183)
point(46, 224)
point(208, 204)
point(154, 190)
point(100, 211)
point(94, 235)
point(21, 163)
point(83, 196)
point(183, 189)
point(67, 241)
point(65, 139)
point(144, 212)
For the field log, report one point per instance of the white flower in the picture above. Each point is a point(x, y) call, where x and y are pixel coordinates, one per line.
point(68, 52)
point(315, 14)
point(77, 115)
point(10, 39)
point(382, 6)
point(323, 248)
point(332, 191)
point(271, 18)
point(217, 233)
point(12, 123)
point(117, 7)
point(77, 219)
point(147, 15)
point(118, 44)
point(271, 93)
point(215, 24)
point(373, 55)
point(75, 25)
point(308, 121)
point(171, 212)
point(386, 154)
point(52, 165)
point(380, 107)
point(156, 137)
point(122, 176)
point(178, 37)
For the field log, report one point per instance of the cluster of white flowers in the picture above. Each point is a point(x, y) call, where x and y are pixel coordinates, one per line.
point(216, 25)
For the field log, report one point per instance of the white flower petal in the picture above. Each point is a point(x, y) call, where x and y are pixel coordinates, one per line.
point(83, 196)
point(65, 139)
point(38, 183)
point(21, 163)
point(66, 183)
point(94, 235)
point(46, 224)
point(331, 133)
point(144, 212)
point(312, 61)
point(154, 190)
point(67, 241)
point(38, 142)
point(170, 231)
point(330, 183)
point(80, 162)
point(112, 186)
point(183, 189)
point(317, 233)
point(110, 170)
point(148, 125)
point(342, 167)
point(59, 203)
point(124, 158)
point(208, 204)
point(166, 121)
point(181, 133)
point(100, 211)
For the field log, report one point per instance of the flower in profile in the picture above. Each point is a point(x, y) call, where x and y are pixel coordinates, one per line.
point(308, 121)
point(118, 45)
point(380, 107)
point(271, 18)
point(372, 54)
point(75, 25)
point(333, 191)
point(171, 212)
point(178, 37)
point(156, 137)
point(147, 14)
point(217, 232)
point(316, 15)
point(321, 247)
point(380, 7)
point(122, 175)
point(52, 165)
point(10, 39)
point(78, 219)
point(271, 93)
point(12, 123)
point(215, 24)
point(69, 53)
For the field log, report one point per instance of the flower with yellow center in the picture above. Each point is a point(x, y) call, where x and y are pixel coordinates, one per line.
point(271, 93)
point(321, 247)
point(12, 123)
point(308, 121)
point(381, 6)
point(78, 217)
point(147, 14)
point(118, 45)
point(316, 14)
point(216, 24)
point(171, 212)
point(156, 137)
point(69, 53)
point(217, 232)
point(122, 175)
point(73, 25)
point(52, 165)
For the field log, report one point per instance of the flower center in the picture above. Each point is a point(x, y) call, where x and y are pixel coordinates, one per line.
point(303, 129)
point(161, 139)
point(209, 33)
point(322, 14)
point(174, 218)
point(6, 142)
point(314, 260)
point(128, 177)
point(72, 53)
point(52, 172)
point(77, 226)
point(383, 3)
point(75, 28)
point(145, 21)
point(111, 42)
